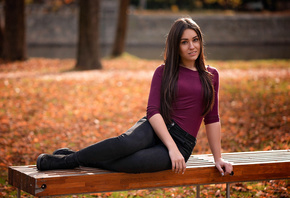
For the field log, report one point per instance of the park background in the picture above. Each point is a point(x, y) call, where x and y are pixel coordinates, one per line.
point(47, 104)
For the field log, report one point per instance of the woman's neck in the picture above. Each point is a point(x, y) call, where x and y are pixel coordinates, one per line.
point(189, 66)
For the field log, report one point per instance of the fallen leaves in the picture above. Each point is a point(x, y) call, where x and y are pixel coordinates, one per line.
point(43, 108)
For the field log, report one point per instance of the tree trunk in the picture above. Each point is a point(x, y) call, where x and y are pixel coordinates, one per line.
point(120, 35)
point(14, 44)
point(88, 39)
point(142, 4)
point(1, 36)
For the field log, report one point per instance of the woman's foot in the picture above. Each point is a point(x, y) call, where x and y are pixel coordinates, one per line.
point(52, 162)
point(63, 151)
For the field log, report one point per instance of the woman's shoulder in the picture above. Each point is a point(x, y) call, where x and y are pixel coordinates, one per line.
point(160, 69)
point(211, 69)
point(214, 72)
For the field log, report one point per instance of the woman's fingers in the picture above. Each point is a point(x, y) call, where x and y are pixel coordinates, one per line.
point(179, 166)
point(183, 167)
point(177, 161)
point(175, 166)
point(220, 169)
point(225, 168)
point(229, 168)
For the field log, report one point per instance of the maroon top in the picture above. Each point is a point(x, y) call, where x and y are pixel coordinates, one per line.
point(187, 108)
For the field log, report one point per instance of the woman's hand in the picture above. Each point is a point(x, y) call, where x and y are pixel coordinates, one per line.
point(225, 168)
point(177, 161)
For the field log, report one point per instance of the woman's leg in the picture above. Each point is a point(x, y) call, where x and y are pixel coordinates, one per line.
point(152, 159)
point(155, 158)
point(139, 137)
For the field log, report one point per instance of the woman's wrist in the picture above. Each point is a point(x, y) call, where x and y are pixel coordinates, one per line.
point(218, 159)
point(172, 146)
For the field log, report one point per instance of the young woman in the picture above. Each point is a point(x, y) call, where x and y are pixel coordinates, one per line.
point(183, 93)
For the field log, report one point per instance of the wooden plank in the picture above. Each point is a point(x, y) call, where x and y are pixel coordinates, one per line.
point(200, 170)
point(20, 179)
point(193, 176)
point(251, 157)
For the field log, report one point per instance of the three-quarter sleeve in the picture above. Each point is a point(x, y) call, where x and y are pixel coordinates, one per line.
point(213, 115)
point(153, 106)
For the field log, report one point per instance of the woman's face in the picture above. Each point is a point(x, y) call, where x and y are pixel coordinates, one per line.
point(189, 47)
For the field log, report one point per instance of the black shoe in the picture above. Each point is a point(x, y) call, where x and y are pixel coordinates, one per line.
point(52, 162)
point(63, 151)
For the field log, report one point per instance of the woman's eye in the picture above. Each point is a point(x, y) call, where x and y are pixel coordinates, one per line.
point(195, 40)
point(184, 42)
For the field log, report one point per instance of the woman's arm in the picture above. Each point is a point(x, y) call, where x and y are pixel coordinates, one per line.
point(213, 132)
point(177, 159)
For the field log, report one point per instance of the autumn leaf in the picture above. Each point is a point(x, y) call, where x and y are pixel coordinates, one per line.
point(45, 105)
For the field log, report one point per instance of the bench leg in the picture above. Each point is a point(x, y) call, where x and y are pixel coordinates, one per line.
point(18, 193)
point(198, 191)
point(228, 190)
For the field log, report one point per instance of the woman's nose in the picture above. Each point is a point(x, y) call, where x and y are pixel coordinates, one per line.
point(191, 45)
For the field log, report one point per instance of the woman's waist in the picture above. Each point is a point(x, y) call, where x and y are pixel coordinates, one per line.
point(190, 126)
point(173, 127)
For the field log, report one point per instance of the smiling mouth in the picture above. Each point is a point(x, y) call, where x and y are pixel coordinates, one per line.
point(192, 53)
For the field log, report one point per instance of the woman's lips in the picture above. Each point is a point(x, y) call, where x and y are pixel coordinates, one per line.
point(192, 53)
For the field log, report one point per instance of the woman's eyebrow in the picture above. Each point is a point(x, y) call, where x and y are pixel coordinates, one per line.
point(187, 38)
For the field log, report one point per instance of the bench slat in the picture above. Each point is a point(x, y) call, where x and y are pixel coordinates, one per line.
point(200, 170)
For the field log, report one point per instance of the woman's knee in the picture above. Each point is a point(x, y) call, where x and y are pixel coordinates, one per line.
point(141, 133)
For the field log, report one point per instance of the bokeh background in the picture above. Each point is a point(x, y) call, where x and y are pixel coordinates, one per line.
point(46, 102)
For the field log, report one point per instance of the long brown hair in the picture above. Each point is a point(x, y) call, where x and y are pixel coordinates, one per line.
point(171, 69)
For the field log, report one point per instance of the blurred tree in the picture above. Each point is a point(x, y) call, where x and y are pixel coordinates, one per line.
point(88, 40)
point(14, 43)
point(120, 35)
point(1, 36)
point(185, 4)
point(270, 4)
point(221, 4)
point(142, 4)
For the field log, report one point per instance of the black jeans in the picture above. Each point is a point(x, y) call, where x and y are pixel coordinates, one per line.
point(137, 150)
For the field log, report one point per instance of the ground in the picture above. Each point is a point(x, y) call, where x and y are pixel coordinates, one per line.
point(45, 105)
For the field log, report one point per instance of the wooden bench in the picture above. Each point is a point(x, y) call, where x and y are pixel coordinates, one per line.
point(248, 166)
